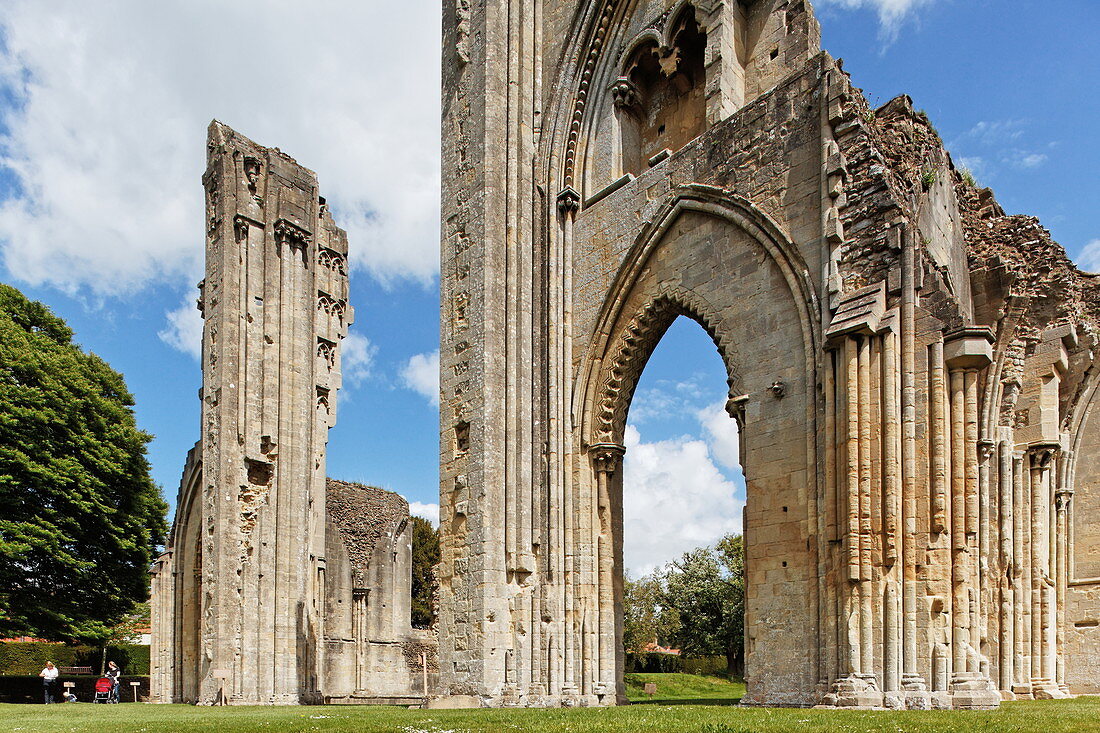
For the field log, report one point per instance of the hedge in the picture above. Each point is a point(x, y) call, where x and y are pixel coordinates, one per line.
point(28, 688)
point(705, 665)
point(28, 658)
point(660, 662)
point(653, 662)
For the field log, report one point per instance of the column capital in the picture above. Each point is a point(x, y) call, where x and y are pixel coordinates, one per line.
point(569, 201)
point(968, 348)
point(1042, 453)
point(986, 448)
point(607, 456)
point(286, 232)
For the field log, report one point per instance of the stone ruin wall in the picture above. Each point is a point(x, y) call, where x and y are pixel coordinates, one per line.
point(914, 468)
point(254, 600)
point(372, 653)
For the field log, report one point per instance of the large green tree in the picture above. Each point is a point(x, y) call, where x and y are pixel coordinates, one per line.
point(706, 587)
point(425, 556)
point(80, 517)
point(646, 617)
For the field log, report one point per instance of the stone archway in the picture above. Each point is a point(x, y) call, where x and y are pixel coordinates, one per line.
point(858, 308)
point(705, 260)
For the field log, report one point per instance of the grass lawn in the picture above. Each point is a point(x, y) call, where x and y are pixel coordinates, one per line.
point(1047, 717)
point(681, 688)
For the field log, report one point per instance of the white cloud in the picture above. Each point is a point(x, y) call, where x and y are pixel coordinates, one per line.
point(106, 136)
point(667, 398)
point(427, 511)
point(722, 435)
point(184, 329)
point(356, 358)
point(996, 132)
point(1024, 159)
point(675, 499)
point(421, 375)
point(1089, 258)
point(891, 13)
point(1001, 143)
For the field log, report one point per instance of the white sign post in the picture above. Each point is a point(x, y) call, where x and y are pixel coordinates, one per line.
point(221, 675)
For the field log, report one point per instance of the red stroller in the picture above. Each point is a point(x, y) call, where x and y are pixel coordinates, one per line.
point(103, 689)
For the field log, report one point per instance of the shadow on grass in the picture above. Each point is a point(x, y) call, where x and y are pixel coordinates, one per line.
point(689, 701)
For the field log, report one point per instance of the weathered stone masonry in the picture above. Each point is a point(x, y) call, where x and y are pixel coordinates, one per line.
point(278, 585)
point(912, 370)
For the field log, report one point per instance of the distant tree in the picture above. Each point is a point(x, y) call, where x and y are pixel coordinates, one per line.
point(80, 517)
point(646, 617)
point(706, 587)
point(425, 556)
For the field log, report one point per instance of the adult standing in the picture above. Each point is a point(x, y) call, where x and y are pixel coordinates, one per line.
point(49, 682)
point(114, 674)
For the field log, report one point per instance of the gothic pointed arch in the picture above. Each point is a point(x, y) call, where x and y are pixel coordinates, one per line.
point(619, 352)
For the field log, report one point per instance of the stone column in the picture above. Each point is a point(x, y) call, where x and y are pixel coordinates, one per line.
point(959, 557)
point(939, 540)
point(833, 662)
point(866, 539)
point(607, 460)
point(1006, 621)
point(916, 691)
point(857, 686)
point(1021, 587)
point(1062, 502)
point(987, 589)
point(892, 470)
point(1042, 585)
point(967, 352)
point(569, 202)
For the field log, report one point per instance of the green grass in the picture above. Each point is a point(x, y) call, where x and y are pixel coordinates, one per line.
point(683, 687)
point(1062, 716)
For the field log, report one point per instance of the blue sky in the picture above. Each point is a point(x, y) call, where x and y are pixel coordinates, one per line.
point(103, 109)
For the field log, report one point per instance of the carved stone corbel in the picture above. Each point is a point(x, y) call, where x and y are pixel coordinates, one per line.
point(569, 202)
point(625, 95)
point(607, 457)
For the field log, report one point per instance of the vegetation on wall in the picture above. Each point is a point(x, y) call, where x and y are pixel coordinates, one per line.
point(425, 556)
point(80, 517)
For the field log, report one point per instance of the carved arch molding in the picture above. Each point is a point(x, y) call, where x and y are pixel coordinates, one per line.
point(621, 358)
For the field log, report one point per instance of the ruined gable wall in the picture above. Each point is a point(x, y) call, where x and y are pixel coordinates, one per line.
point(371, 649)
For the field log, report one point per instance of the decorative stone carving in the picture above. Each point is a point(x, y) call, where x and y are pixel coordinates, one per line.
point(327, 351)
point(292, 236)
point(332, 260)
point(624, 95)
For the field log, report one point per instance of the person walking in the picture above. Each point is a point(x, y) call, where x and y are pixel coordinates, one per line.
point(49, 681)
point(114, 674)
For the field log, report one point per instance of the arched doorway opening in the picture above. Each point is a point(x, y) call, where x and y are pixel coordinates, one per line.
point(682, 504)
point(729, 269)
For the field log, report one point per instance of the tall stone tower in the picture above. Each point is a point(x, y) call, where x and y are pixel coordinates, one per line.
point(248, 549)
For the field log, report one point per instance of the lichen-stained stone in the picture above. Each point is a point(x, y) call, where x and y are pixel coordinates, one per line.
point(911, 369)
point(278, 585)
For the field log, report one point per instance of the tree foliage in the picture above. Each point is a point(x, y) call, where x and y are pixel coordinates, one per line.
point(707, 589)
point(425, 556)
point(80, 517)
point(646, 617)
point(696, 604)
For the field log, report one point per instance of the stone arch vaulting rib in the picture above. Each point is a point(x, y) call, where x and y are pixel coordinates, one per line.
point(913, 382)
